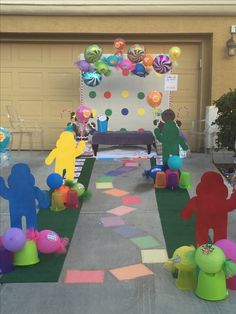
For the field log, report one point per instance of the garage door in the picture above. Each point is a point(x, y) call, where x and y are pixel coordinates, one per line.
point(41, 82)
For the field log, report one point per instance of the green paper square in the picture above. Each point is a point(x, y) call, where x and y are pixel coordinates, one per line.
point(105, 179)
point(146, 242)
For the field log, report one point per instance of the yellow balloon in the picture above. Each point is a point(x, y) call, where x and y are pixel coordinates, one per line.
point(174, 52)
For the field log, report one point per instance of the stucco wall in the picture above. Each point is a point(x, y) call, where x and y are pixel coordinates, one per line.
point(223, 67)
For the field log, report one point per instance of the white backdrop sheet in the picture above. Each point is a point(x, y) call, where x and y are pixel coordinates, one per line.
point(124, 92)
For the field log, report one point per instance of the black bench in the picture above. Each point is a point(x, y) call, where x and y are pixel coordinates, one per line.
point(123, 138)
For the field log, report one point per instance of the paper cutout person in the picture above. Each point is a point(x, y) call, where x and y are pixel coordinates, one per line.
point(22, 195)
point(211, 207)
point(65, 153)
point(168, 134)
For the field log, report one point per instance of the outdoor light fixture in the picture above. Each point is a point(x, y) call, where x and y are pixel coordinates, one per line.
point(231, 46)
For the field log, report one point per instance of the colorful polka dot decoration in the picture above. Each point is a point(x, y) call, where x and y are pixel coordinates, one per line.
point(107, 94)
point(141, 111)
point(123, 129)
point(92, 94)
point(94, 112)
point(140, 95)
point(125, 93)
point(124, 111)
point(108, 112)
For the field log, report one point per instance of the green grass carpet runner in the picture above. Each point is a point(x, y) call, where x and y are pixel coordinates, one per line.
point(49, 268)
point(177, 232)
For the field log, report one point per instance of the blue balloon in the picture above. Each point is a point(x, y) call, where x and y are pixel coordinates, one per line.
point(151, 173)
point(175, 163)
point(54, 180)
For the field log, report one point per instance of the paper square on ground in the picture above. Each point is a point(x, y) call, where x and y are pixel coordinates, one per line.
point(104, 185)
point(146, 242)
point(112, 221)
point(105, 179)
point(121, 210)
point(131, 164)
point(154, 256)
point(116, 192)
point(131, 272)
point(129, 231)
point(84, 276)
point(131, 200)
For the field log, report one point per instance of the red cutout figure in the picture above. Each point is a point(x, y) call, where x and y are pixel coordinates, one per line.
point(211, 206)
point(119, 44)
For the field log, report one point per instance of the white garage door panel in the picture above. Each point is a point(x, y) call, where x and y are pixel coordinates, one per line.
point(41, 81)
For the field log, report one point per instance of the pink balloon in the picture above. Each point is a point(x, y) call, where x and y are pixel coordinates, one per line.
point(228, 247)
point(48, 242)
point(83, 113)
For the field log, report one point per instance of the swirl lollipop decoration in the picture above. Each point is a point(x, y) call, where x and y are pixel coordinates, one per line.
point(162, 64)
point(5, 139)
point(92, 53)
point(91, 79)
point(136, 53)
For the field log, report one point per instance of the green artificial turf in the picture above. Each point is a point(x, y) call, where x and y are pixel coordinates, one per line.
point(177, 232)
point(49, 268)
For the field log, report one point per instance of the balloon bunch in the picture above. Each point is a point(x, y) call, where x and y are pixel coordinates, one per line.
point(93, 67)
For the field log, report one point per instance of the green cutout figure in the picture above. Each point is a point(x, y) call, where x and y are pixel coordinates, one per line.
point(168, 134)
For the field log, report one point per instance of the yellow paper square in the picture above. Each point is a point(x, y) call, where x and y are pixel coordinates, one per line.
point(154, 256)
point(104, 185)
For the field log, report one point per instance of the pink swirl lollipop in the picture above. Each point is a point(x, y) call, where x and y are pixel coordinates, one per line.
point(162, 64)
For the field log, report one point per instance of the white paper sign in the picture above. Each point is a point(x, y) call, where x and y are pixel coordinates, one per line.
point(171, 82)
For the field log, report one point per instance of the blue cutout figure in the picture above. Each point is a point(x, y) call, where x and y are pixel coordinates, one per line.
point(22, 195)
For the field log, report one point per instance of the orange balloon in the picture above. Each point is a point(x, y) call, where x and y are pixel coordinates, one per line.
point(148, 60)
point(154, 98)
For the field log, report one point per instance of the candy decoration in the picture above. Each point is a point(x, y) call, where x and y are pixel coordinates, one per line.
point(136, 53)
point(84, 66)
point(148, 60)
point(92, 53)
point(91, 79)
point(162, 64)
point(5, 138)
point(154, 98)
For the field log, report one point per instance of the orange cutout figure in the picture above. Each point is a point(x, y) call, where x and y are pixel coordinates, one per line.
point(65, 153)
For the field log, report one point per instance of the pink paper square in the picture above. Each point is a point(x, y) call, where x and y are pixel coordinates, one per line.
point(84, 276)
point(121, 210)
point(131, 200)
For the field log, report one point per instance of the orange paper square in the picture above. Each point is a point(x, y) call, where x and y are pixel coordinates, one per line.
point(131, 272)
point(116, 192)
point(84, 276)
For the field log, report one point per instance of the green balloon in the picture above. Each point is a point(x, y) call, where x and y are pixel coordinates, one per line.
point(79, 188)
point(210, 258)
point(92, 53)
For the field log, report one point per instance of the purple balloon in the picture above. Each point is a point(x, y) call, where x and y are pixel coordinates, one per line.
point(228, 247)
point(84, 66)
point(13, 239)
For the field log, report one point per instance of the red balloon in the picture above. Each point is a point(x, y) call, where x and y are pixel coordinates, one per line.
point(125, 72)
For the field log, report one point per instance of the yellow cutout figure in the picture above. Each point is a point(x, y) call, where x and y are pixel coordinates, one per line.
point(65, 153)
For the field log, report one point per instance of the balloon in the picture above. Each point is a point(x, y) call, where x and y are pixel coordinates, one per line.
point(5, 139)
point(101, 67)
point(91, 79)
point(125, 72)
point(54, 181)
point(209, 258)
point(92, 53)
point(162, 64)
point(119, 44)
point(175, 163)
point(136, 53)
point(148, 60)
point(153, 171)
point(174, 52)
point(125, 65)
point(83, 113)
point(112, 60)
point(13, 239)
point(84, 66)
point(80, 189)
point(154, 98)
point(140, 70)
point(228, 247)
point(48, 242)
